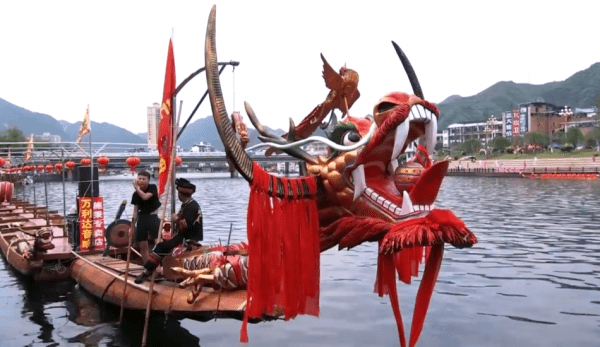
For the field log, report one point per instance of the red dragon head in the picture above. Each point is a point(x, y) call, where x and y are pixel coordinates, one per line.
point(364, 193)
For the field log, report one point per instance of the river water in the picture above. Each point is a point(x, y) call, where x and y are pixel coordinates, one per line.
point(532, 280)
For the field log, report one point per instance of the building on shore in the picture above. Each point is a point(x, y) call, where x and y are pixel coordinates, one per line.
point(484, 131)
point(530, 117)
point(153, 113)
point(46, 137)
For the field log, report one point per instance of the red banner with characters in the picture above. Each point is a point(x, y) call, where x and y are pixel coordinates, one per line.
point(165, 141)
point(91, 223)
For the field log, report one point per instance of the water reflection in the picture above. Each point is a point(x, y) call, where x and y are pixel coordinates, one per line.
point(532, 280)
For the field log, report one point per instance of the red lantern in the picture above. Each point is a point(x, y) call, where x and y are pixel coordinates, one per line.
point(40, 168)
point(58, 167)
point(70, 165)
point(2, 161)
point(49, 168)
point(103, 161)
point(133, 162)
point(86, 162)
point(178, 161)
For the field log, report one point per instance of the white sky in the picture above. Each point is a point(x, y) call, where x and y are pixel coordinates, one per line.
point(56, 57)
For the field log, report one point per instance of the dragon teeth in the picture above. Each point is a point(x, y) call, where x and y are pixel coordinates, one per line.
point(430, 133)
point(358, 177)
point(400, 139)
point(422, 115)
point(407, 206)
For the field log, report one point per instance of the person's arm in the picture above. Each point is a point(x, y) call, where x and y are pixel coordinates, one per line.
point(188, 216)
point(143, 195)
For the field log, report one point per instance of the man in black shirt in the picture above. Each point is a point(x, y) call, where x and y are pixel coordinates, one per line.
point(145, 211)
point(188, 222)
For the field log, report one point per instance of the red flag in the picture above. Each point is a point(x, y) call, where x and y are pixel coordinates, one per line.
point(164, 128)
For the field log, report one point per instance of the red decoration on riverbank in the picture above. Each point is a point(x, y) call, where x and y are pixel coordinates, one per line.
point(70, 165)
point(178, 161)
point(103, 162)
point(40, 168)
point(2, 161)
point(133, 162)
point(86, 162)
point(58, 167)
point(49, 168)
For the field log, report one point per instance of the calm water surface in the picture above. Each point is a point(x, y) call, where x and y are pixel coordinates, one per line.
point(532, 280)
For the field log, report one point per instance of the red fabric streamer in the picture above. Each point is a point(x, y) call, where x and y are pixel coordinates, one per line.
point(406, 263)
point(283, 250)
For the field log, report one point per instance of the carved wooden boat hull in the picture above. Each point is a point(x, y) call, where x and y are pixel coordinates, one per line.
point(100, 280)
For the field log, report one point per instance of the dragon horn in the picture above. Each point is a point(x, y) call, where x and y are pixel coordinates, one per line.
point(233, 147)
point(412, 76)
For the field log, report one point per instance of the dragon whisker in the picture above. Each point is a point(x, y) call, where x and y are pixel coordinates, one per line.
point(328, 142)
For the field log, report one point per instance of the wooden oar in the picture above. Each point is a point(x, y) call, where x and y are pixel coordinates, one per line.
point(131, 232)
point(169, 178)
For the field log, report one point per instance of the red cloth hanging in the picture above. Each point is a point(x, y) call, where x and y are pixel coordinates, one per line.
point(283, 250)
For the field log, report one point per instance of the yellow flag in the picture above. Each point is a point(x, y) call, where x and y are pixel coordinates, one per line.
point(85, 125)
point(29, 148)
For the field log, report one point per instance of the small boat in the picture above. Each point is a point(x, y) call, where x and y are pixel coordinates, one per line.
point(33, 241)
point(562, 175)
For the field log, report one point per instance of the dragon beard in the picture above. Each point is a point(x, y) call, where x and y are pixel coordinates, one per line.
point(402, 248)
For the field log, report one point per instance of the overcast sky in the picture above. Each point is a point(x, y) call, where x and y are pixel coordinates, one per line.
point(56, 57)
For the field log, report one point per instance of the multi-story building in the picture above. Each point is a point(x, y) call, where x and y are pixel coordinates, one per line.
point(46, 137)
point(153, 119)
point(482, 131)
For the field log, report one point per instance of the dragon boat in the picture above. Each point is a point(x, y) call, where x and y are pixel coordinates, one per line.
point(221, 293)
point(33, 240)
point(562, 175)
point(359, 192)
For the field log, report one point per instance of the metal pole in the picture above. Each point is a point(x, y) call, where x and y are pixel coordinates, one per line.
point(46, 194)
point(91, 177)
point(174, 150)
point(196, 108)
point(62, 174)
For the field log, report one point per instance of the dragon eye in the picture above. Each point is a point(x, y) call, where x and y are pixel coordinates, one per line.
point(350, 138)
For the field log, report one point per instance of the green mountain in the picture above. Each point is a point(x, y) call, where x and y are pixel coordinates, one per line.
point(102, 132)
point(204, 130)
point(38, 123)
point(580, 90)
point(28, 122)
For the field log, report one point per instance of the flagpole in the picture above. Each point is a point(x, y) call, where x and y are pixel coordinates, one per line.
point(174, 125)
point(91, 171)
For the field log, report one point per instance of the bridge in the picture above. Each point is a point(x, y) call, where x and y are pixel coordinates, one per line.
point(118, 154)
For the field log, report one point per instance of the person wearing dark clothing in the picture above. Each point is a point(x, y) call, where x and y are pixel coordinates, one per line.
point(188, 222)
point(145, 211)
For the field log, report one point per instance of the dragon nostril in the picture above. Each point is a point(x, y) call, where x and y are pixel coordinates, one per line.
point(385, 106)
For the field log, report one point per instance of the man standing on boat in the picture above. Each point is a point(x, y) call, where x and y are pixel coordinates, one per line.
point(189, 227)
point(145, 211)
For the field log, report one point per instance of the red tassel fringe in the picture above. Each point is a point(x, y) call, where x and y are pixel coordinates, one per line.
point(283, 237)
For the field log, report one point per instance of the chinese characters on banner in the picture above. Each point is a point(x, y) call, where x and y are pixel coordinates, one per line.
point(91, 223)
point(509, 125)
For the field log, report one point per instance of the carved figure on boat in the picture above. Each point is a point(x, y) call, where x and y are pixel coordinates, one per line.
point(359, 192)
